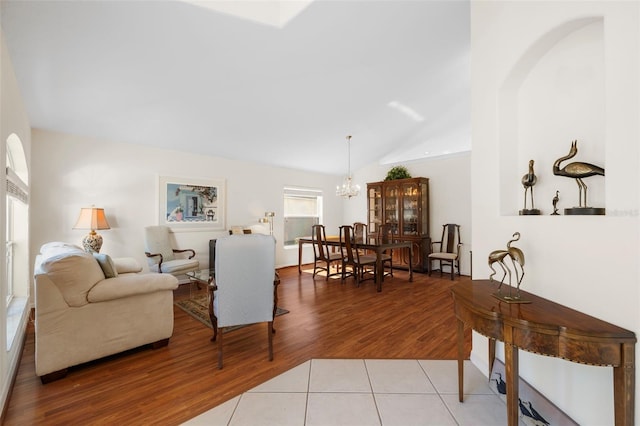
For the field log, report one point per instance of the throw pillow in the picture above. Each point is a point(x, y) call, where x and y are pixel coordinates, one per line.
point(107, 265)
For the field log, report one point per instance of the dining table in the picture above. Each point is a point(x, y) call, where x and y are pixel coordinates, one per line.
point(377, 247)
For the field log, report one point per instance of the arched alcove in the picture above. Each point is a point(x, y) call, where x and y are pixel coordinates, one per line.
point(554, 94)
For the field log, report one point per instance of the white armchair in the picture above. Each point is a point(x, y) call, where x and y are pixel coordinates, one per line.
point(162, 257)
point(244, 277)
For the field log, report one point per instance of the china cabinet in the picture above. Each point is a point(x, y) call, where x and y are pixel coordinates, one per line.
point(403, 203)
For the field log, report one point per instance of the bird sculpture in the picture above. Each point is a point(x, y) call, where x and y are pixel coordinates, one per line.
point(577, 170)
point(497, 256)
point(555, 203)
point(528, 181)
point(517, 259)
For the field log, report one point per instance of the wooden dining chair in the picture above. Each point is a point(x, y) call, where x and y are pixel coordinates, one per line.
point(360, 233)
point(323, 258)
point(360, 264)
point(385, 236)
point(448, 249)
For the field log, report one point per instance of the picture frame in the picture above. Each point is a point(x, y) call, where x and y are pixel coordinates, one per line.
point(188, 204)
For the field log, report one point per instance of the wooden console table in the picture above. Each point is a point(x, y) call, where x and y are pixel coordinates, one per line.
point(546, 328)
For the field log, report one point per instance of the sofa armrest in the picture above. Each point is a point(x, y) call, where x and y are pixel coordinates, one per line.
point(127, 285)
point(125, 265)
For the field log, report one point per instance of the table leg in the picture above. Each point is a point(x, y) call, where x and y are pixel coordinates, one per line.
point(410, 267)
point(299, 257)
point(212, 316)
point(460, 361)
point(379, 270)
point(624, 380)
point(511, 373)
point(492, 355)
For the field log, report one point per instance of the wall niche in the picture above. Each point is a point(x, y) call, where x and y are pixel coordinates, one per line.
point(554, 94)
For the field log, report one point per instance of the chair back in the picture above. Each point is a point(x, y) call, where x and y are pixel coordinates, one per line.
point(385, 233)
point(360, 233)
point(158, 240)
point(347, 244)
point(245, 267)
point(450, 238)
point(319, 238)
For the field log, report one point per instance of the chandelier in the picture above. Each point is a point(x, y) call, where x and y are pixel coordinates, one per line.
point(348, 189)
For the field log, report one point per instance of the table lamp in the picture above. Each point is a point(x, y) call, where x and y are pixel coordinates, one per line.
point(92, 218)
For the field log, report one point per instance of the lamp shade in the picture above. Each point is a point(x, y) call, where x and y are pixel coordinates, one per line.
point(92, 218)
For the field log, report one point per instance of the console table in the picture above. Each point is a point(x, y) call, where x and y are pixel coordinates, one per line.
point(546, 328)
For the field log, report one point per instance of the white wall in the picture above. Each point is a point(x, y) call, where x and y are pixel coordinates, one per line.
point(13, 119)
point(543, 74)
point(71, 172)
point(449, 190)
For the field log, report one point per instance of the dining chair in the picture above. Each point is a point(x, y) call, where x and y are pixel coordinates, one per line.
point(448, 248)
point(360, 233)
point(323, 258)
point(385, 236)
point(161, 255)
point(352, 257)
point(244, 294)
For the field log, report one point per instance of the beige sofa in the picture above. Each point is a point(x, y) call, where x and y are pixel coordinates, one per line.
point(90, 306)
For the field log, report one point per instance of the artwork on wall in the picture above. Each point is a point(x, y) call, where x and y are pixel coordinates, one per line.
point(191, 204)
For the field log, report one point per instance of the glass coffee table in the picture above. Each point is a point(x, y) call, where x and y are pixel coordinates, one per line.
point(206, 277)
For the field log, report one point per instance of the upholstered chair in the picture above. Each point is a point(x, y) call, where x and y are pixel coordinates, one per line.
point(162, 257)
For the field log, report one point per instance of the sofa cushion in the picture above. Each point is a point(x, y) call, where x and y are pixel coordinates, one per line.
point(56, 247)
point(125, 285)
point(126, 264)
point(106, 264)
point(74, 274)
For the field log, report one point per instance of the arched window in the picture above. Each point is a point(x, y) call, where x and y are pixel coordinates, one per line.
point(17, 280)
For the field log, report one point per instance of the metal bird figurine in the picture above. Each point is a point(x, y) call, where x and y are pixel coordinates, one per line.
point(528, 181)
point(577, 170)
point(555, 203)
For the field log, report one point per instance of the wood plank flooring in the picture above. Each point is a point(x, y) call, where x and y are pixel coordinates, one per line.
point(173, 384)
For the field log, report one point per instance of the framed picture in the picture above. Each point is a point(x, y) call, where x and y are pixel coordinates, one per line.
point(191, 204)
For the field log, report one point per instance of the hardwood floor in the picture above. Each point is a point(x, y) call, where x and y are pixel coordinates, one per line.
point(173, 384)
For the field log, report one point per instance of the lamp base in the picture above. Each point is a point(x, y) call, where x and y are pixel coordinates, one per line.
point(92, 243)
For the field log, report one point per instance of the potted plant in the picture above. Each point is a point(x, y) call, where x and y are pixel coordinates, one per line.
point(398, 172)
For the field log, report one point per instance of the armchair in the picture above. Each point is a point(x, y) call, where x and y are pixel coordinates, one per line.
point(162, 257)
point(244, 294)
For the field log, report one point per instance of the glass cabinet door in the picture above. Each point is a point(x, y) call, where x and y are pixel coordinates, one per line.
point(375, 208)
point(391, 213)
point(424, 206)
point(410, 209)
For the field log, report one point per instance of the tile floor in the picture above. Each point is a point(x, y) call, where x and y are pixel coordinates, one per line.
point(364, 392)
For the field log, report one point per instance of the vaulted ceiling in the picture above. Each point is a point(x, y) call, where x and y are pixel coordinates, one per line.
point(280, 83)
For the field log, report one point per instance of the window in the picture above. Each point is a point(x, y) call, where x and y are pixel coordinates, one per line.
point(302, 209)
point(16, 284)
